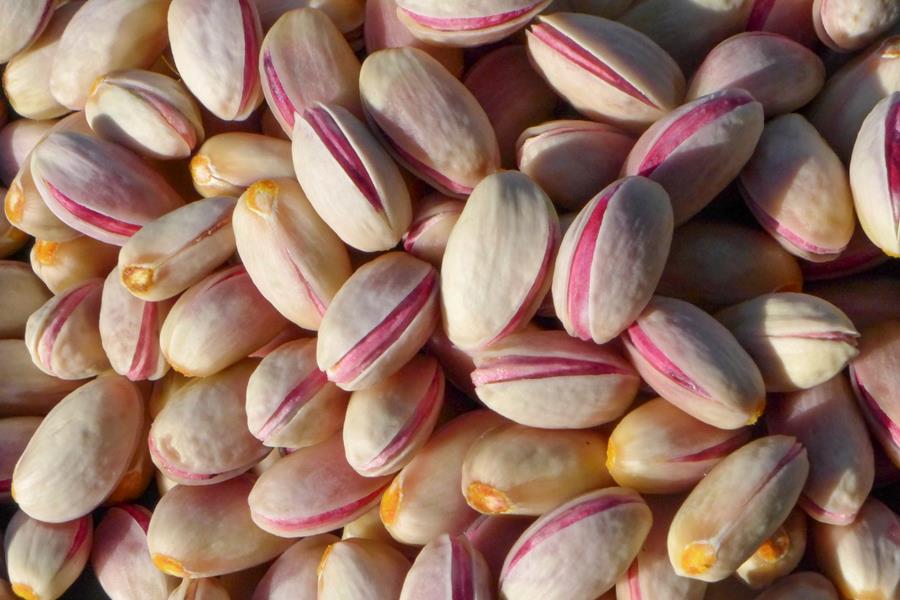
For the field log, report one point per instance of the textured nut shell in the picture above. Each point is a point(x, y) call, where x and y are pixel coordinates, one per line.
point(22, 24)
point(25, 390)
point(207, 588)
point(17, 140)
point(462, 23)
point(846, 26)
point(14, 435)
point(874, 374)
point(434, 218)
point(448, 567)
point(802, 584)
point(24, 208)
point(228, 163)
point(21, 293)
point(62, 265)
point(860, 298)
point(293, 574)
point(363, 569)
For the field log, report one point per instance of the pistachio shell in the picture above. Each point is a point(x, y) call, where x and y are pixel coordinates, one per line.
point(859, 256)
point(206, 588)
point(228, 163)
point(862, 298)
point(874, 375)
point(806, 584)
point(25, 390)
point(16, 141)
point(461, 23)
point(21, 293)
point(447, 568)
point(791, 18)
point(361, 569)
point(494, 535)
point(25, 209)
point(22, 25)
point(347, 15)
point(293, 574)
point(62, 265)
point(846, 26)
point(778, 555)
point(14, 435)
point(433, 220)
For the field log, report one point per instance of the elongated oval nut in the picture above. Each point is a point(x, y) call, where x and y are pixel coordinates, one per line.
point(874, 374)
point(17, 139)
point(282, 501)
point(579, 549)
point(11, 238)
point(658, 449)
point(24, 208)
point(62, 265)
point(290, 402)
point(388, 422)
point(177, 250)
point(198, 336)
point(207, 588)
point(802, 584)
point(361, 569)
point(859, 256)
point(589, 155)
point(14, 435)
point(63, 335)
point(293, 574)
point(228, 163)
point(200, 435)
point(434, 218)
point(304, 59)
point(526, 471)
point(778, 555)
point(862, 559)
point(507, 219)
point(494, 535)
point(861, 298)
point(147, 112)
point(349, 178)
point(736, 507)
point(106, 36)
point(293, 258)
point(369, 526)
point(791, 18)
point(25, 390)
point(347, 15)
point(778, 72)
point(44, 559)
point(378, 320)
point(429, 121)
point(140, 470)
point(215, 46)
point(548, 379)
point(80, 179)
point(847, 26)
point(21, 293)
point(81, 449)
point(189, 516)
point(606, 71)
point(120, 559)
point(447, 568)
point(875, 176)
point(692, 361)
point(22, 24)
point(424, 501)
point(710, 138)
point(698, 272)
point(797, 340)
point(460, 23)
point(456, 363)
point(611, 259)
point(797, 189)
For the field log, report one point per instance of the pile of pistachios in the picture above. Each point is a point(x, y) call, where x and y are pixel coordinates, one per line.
point(450, 299)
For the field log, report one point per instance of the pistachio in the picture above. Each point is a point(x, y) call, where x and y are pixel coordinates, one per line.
point(447, 568)
point(791, 18)
point(21, 293)
point(14, 435)
point(361, 569)
point(433, 220)
point(228, 163)
point(859, 256)
point(207, 588)
point(456, 363)
point(293, 574)
point(25, 209)
point(11, 239)
point(347, 15)
point(862, 299)
point(26, 390)
point(23, 24)
point(874, 376)
point(493, 536)
point(460, 23)
point(62, 265)
point(801, 584)
point(610, 9)
point(140, 470)
point(779, 554)
point(846, 26)
point(16, 142)
point(369, 526)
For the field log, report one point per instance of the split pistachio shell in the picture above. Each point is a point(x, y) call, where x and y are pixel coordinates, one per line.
point(22, 25)
point(228, 163)
point(63, 335)
point(846, 26)
point(388, 422)
point(188, 517)
point(507, 219)
point(105, 36)
point(152, 114)
point(136, 478)
point(605, 70)
point(289, 333)
point(21, 293)
point(611, 259)
point(434, 218)
point(797, 340)
point(62, 265)
point(717, 264)
point(44, 559)
point(658, 449)
point(859, 256)
point(698, 149)
point(778, 555)
point(447, 568)
point(14, 435)
point(424, 499)
point(791, 18)
point(802, 584)
point(347, 15)
point(778, 72)
point(429, 121)
point(80, 179)
point(26, 79)
point(875, 177)
point(305, 60)
point(493, 536)
point(293, 574)
point(798, 190)
point(17, 139)
point(578, 550)
point(862, 559)
point(24, 208)
point(207, 588)
point(290, 402)
point(694, 362)
point(120, 559)
point(80, 451)
point(198, 336)
point(874, 374)
point(294, 259)
point(588, 155)
point(526, 471)
point(25, 390)
point(362, 570)
point(215, 44)
point(349, 178)
point(737, 507)
point(163, 391)
point(282, 502)
point(177, 250)
point(378, 320)
point(369, 526)
point(548, 379)
point(200, 436)
point(461, 23)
